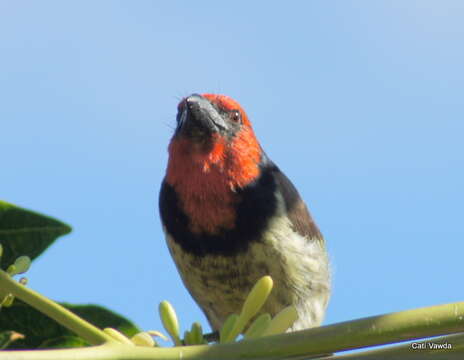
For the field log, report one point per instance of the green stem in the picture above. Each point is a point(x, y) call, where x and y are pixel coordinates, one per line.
point(53, 310)
point(116, 351)
point(377, 330)
point(413, 351)
point(111, 351)
point(371, 331)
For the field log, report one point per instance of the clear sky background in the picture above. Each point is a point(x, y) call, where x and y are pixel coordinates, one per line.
point(359, 102)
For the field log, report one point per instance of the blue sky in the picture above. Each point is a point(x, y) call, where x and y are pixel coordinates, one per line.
point(359, 102)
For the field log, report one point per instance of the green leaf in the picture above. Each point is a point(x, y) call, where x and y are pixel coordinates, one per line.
point(42, 332)
point(65, 341)
point(24, 232)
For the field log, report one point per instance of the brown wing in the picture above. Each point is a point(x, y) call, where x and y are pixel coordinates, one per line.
point(297, 210)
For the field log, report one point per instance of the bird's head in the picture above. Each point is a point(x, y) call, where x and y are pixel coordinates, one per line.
point(214, 143)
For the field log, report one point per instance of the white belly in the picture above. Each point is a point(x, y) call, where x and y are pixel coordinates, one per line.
point(298, 266)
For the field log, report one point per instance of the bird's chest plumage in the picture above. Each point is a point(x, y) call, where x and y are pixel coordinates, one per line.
point(220, 264)
point(211, 205)
point(220, 282)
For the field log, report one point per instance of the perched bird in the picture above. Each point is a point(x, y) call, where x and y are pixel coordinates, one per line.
point(231, 216)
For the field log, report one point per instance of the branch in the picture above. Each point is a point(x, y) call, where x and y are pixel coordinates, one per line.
point(377, 330)
point(63, 316)
point(406, 351)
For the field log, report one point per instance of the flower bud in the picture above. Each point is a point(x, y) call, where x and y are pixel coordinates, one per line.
point(22, 263)
point(282, 321)
point(143, 339)
point(118, 336)
point(227, 327)
point(169, 318)
point(257, 327)
point(253, 303)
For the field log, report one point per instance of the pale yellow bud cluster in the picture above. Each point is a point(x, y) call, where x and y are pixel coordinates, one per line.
point(195, 335)
point(144, 338)
point(263, 325)
point(20, 266)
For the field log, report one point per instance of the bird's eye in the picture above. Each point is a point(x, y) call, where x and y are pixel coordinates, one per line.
point(236, 116)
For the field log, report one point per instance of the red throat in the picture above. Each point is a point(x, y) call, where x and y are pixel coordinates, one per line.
point(206, 179)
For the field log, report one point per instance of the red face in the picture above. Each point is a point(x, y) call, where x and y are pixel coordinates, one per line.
point(213, 152)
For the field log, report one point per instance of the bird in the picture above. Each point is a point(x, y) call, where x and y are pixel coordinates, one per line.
point(231, 216)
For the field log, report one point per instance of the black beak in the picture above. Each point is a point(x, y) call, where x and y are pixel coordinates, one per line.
point(198, 118)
